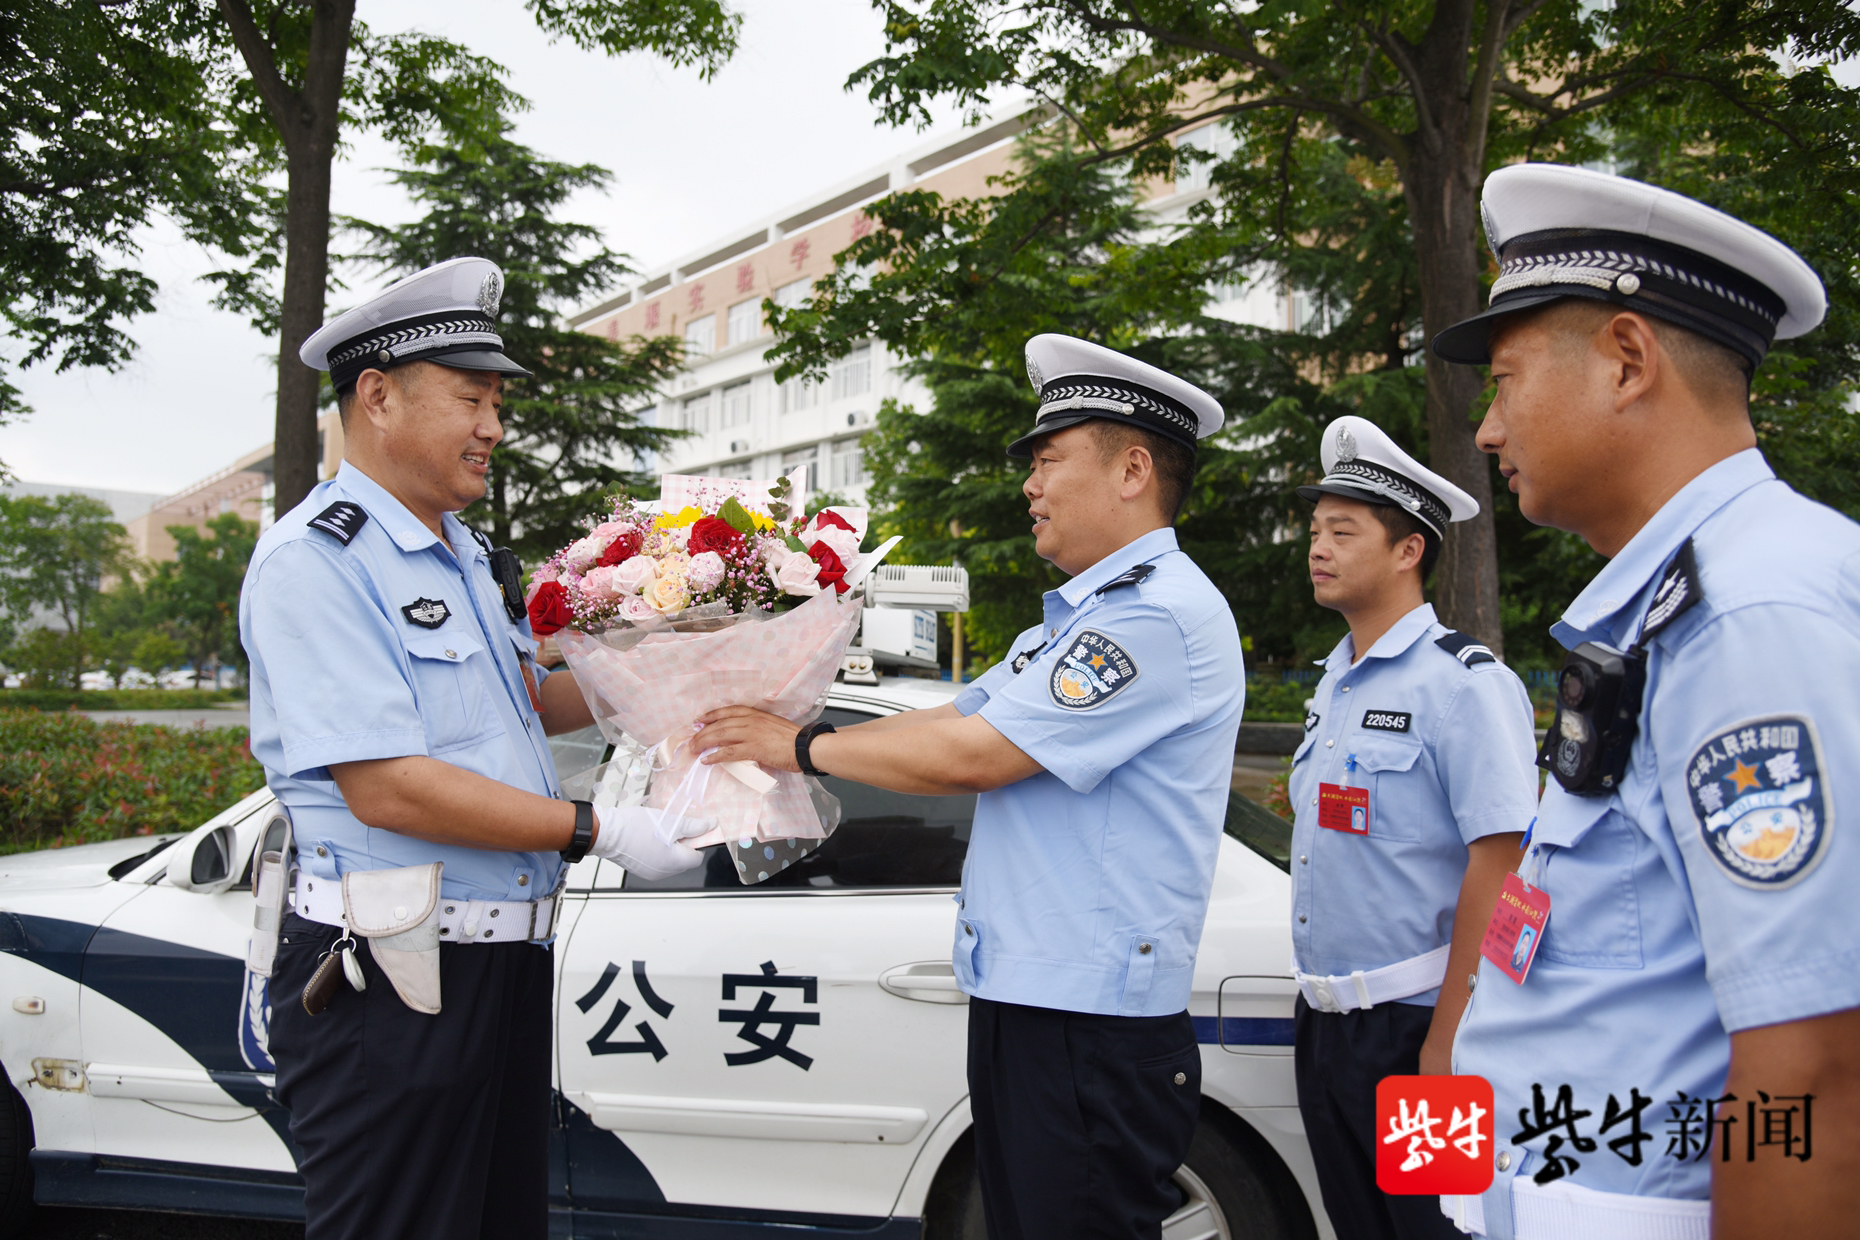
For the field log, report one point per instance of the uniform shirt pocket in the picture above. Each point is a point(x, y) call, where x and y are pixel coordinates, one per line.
point(449, 690)
point(1594, 901)
point(1382, 764)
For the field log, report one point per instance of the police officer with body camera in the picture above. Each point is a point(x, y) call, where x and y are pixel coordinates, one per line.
point(400, 717)
point(1412, 789)
point(1696, 978)
point(1102, 751)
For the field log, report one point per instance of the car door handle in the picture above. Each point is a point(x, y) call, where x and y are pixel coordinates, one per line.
point(927, 981)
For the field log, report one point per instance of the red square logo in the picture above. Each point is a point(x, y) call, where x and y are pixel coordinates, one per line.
point(1434, 1134)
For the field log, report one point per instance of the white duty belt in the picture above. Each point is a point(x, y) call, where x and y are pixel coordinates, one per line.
point(460, 921)
point(1346, 992)
point(1564, 1211)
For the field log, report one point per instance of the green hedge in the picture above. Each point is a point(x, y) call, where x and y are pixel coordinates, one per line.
point(1270, 699)
point(116, 699)
point(65, 779)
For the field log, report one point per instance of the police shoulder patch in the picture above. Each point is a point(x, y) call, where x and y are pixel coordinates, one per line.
point(1761, 800)
point(1092, 670)
point(342, 521)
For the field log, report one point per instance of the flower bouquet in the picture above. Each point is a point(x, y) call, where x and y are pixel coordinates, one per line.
point(712, 597)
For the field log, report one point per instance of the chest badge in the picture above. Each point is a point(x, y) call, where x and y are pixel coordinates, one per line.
point(428, 613)
point(1761, 800)
point(1093, 669)
point(1388, 720)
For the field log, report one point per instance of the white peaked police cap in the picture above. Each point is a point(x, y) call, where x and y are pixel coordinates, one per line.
point(1570, 232)
point(446, 314)
point(1362, 463)
point(1078, 380)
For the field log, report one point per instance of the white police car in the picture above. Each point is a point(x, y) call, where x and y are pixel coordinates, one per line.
point(727, 1057)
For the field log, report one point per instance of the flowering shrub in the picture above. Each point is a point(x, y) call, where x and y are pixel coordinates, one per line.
point(633, 567)
point(65, 779)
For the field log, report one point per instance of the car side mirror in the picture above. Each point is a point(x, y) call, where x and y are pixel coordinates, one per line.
point(204, 861)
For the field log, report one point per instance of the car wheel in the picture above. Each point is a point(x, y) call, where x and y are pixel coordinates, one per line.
point(16, 1208)
point(1226, 1193)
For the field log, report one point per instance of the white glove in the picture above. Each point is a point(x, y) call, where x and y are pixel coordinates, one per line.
point(628, 835)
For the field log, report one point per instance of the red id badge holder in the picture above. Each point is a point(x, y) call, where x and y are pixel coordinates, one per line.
point(1342, 807)
point(1518, 923)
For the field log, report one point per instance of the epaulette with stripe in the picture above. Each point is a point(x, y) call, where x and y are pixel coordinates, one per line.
point(342, 521)
point(1467, 650)
point(1135, 577)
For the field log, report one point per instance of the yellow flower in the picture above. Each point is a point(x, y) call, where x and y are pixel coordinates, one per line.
point(688, 515)
point(762, 521)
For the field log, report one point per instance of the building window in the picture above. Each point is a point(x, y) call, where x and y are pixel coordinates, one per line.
point(734, 469)
point(1216, 143)
point(852, 375)
point(696, 414)
point(848, 465)
point(745, 321)
point(788, 296)
point(735, 409)
point(805, 463)
point(799, 394)
point(701, 336)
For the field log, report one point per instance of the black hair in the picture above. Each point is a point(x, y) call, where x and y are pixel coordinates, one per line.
point(1402, 525)
point(1173, 459)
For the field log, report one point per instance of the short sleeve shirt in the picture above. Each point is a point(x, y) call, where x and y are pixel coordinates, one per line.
point(1442, 752)
point(1713, 892)
point(1087, 884)
point(389, 642)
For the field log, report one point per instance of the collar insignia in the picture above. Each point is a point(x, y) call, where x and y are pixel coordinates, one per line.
point(428, 613)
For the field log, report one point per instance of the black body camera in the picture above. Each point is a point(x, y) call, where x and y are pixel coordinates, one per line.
point(1598, 696)
point(508, 571)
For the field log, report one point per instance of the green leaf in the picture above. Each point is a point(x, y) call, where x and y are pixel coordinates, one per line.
point(795, 544)
point(737, 516)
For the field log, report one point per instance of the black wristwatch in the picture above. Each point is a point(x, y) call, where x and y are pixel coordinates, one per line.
point(583, 839)
point(803, 739)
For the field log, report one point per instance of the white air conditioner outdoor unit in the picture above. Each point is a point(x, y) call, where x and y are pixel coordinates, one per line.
point(929, 587)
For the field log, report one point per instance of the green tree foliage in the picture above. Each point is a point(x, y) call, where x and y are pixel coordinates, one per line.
point(198, 591)
point(54, 556)
point(1413, 101)
point(568, 432)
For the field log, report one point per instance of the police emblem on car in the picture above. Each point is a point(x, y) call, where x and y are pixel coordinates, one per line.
point(1093, 669)
point(428, 613)
point(1760, 799)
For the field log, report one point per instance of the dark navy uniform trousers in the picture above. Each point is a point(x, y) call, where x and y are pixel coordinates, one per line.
point(1340, 1058)
point(1080, 1121)
point(410, 1125)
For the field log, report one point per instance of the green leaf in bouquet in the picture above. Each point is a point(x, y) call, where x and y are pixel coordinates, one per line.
point(737, 516)
point(778, 498)
point(795, 544)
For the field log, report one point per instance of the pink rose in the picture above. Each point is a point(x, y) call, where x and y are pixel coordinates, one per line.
point(634, 575)
point(585, 552)
point(794, 572)
point(636, 609)
point(599, 584)
point(705, 572)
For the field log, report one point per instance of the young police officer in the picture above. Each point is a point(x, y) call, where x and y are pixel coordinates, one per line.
point(1102, 750)
point(1412, 789)
point(400, 719)
point(1699, 953)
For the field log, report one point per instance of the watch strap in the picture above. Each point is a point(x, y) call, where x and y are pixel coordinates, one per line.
point(803, 740)
point(583, 839)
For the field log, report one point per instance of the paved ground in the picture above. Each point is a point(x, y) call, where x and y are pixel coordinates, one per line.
point(54, 1223)
point(233, 715)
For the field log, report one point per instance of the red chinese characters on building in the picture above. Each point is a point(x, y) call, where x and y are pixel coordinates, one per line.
point(861, 226)
point(613, 328)
point(798, 252)
point(746, 278)
point(652, 317)
point(697, 298)
point(1434, 1134)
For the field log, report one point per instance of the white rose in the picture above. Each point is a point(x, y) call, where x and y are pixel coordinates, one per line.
point(667, 594)
point(794, 572)
point(632, 576)
point(843, 543)
point(586, 551)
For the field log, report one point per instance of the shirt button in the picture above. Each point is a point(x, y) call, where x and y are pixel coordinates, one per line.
point(968, 929)
point(400, 913)
point(451, 654)
point(1181, 1078)
point(1346, 688)
point(322, 851)
point(1302, 919)
point(1143, 949)
point(1330, 744)
point(1504, 1160)
point(1304, 860)
point(523, 880)
point(1314, 800)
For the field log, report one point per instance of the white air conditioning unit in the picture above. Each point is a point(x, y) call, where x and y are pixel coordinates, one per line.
point(929, 587)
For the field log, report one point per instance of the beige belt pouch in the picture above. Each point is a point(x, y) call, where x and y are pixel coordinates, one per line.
point(271, 884)
point(397, 911)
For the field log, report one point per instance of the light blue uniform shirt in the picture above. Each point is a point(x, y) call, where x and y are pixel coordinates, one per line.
point(1086, 885)
point(341, 672)
point(1447, 753)
point(1712, 893)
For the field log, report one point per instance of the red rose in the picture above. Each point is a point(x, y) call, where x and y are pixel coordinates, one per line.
point(712, 534)
point(824, 520)
point(832, 571)
point(549, 609)
point(622, 549)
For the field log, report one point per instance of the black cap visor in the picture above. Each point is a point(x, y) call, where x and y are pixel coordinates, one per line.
point(1469, 342)
point(478, 359)
point(1023, 447)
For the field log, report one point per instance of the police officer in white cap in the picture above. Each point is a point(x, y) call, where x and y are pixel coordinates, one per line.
point(1412, 788)
point(1102, 750)
point(400, 716)
point(1683, 1044)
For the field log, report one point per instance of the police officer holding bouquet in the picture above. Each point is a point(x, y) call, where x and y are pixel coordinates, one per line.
point(401, 720)
point(1102, 751)
point(1679, 1058)
point(1412, 789)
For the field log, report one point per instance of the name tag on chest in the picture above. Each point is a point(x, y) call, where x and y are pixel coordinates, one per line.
point(1342, 808)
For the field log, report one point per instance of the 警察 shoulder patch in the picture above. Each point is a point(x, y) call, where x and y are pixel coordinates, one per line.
point(1093, 669)
point(342, 520)
point(1761, 800)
